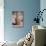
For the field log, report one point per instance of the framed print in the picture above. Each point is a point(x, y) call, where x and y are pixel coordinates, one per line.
point(18, 18)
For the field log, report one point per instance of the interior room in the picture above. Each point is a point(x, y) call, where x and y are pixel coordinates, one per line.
point(23, 23)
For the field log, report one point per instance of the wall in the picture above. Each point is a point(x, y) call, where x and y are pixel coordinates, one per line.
point(43, 6)
point(1, 21)
point(29, 7)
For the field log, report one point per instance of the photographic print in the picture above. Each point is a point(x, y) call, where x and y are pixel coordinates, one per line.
point(18, 18)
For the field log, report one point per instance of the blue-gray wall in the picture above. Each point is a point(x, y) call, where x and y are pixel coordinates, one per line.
point(29, 7)
point(43, 6)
